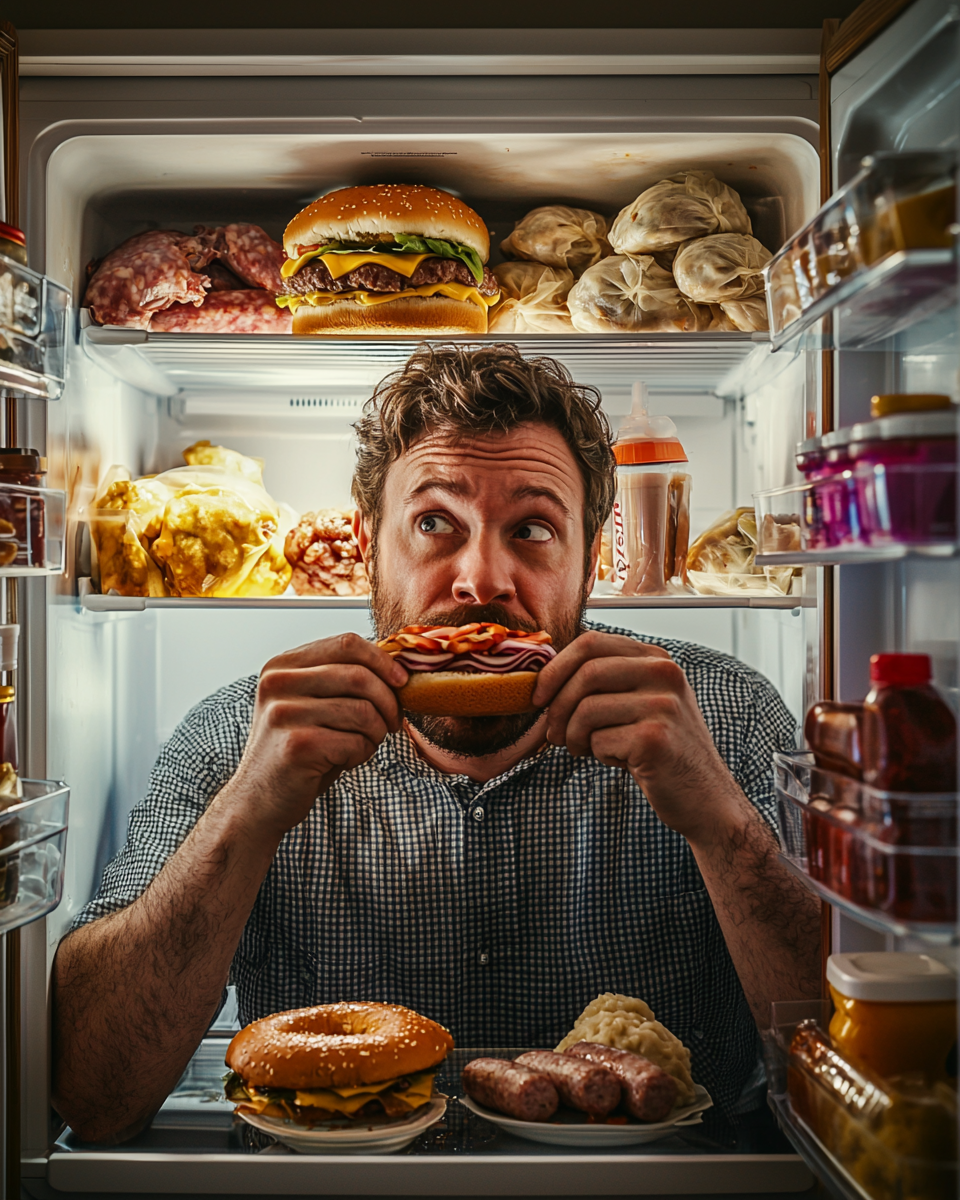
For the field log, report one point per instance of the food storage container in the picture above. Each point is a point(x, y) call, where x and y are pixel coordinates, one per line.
point(651, 511)
point(905, 473)
point(905, 201)
point(895, 1012)
point(33, 836)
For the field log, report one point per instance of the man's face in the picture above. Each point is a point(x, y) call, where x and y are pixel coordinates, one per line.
point(481, 528)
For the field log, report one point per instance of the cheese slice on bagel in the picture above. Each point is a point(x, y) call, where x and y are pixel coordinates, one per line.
point(477, 670)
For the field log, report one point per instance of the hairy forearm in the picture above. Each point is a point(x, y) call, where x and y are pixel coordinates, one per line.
point(770, 921)
point(135, 991)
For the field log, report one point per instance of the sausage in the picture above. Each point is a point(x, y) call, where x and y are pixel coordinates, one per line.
point(591, 1088)
point(516, 1091)
point(649, 1093)
point(250, 311)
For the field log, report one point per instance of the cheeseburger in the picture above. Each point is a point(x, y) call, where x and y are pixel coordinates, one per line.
point(387, 258)
point(478, 670)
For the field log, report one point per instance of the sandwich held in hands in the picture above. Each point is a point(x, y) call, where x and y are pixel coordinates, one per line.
point(477, 670)
point(353, 1059)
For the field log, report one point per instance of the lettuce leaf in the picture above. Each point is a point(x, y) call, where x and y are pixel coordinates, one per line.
point(410, 244)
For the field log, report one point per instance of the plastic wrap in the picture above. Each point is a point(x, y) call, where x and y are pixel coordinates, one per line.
point(722, 560)
point(559, 236)
point(690, 204)
point(209, 529)
point(533, 299)
point(721, 268)
point(622, 294)
point(748, 315)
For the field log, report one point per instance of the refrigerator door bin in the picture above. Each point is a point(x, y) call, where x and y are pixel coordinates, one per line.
point(890, 855)
point(33, 331)
point(33, 836)
point(31, 530)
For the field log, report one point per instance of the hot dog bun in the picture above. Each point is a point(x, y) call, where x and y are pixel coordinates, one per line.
point(469, 694)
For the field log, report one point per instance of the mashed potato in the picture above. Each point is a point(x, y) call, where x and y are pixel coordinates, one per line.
point(628, 1024)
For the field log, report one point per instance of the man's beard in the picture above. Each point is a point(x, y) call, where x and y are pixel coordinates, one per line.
point(470, 737)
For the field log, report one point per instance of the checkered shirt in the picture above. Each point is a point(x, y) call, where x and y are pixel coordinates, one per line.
point(499, 909)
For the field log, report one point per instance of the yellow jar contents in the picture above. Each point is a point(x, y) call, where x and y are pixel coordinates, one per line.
point(895, 1037)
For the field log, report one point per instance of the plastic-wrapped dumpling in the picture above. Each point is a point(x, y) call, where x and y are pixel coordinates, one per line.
point(749, 315)
point(622, 294)
point(559, 236)
point(687, 205)
point(720, 268)
point(533, 299)
point(204, 454)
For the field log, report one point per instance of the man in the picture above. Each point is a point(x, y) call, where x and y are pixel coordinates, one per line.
point(305, 841)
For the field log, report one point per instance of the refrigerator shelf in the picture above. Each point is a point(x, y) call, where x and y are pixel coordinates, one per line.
point(878, 302)
point(92, 601)
point(165, 363)
point(33, 327)
point(33, 837)
point(826, 1168)
point(841, 556)
point(31, 530)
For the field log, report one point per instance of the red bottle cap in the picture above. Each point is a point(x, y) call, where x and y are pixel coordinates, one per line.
point(900, 670)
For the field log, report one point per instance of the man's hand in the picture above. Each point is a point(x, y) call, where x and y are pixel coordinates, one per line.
point(630, 706)
point(320, 710)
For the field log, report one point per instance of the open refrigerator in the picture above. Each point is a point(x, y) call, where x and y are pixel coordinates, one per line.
point(104, 680)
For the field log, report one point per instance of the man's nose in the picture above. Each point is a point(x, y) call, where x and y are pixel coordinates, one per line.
point(483, 572)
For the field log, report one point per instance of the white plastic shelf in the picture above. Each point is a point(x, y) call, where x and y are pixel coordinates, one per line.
point(877, 303)
point(165, 363)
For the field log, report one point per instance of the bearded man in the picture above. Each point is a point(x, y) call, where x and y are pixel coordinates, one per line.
point(307, 841)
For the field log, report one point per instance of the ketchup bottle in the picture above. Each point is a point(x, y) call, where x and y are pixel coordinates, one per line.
point(910, 745)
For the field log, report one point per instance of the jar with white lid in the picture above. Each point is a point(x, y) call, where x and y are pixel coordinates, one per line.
point(896, 1012)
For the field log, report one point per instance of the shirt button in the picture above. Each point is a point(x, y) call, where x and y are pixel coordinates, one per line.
point(478, 814)
point(484, 957)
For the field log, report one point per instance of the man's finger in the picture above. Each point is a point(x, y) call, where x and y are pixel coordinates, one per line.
point(344, 648)
point(341, 714)
point(581, 650)
point(614, 676)
point(332, 680)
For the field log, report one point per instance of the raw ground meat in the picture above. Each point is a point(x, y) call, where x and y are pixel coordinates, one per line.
point(249, 251)
point(249, 311)
point(146, 274)
point(325, 556)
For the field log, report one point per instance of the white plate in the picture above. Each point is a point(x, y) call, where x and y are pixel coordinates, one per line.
point(568, 1128)
point(338, 1135)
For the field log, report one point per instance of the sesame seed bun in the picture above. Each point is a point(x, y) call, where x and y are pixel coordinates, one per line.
point(468, 694)
point(353, 214)
point(439, 316)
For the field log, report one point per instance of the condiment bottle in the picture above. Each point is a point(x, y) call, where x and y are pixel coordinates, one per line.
point(834, 733)
point(9, 637)
point(13, 243)
point(651, 512)
point(909, 731)
point(896, 1013)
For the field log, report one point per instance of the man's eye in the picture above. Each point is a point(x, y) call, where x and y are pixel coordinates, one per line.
point(534, 533)
point(434, 524)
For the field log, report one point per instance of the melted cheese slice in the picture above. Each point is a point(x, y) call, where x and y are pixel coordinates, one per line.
point(350, 1099)
point(456, 291)
point(343, 264)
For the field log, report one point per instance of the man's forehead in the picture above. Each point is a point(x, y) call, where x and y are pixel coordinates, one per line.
point(536, 448)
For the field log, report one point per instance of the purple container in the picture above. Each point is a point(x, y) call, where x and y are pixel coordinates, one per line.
point(905, 473)
point(836, 492)
point(812, 462)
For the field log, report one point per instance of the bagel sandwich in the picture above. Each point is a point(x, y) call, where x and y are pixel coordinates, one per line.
point(387, 259)
point(477, 670)
point(354, 1060)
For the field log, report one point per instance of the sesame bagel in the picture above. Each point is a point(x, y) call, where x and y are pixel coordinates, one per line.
point(469, 694)
point(337, 1045)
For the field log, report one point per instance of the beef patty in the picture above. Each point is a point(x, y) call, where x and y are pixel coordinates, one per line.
point(375, 277)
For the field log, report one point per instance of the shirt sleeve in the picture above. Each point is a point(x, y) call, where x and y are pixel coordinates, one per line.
point(771, 727)
point(193, 766)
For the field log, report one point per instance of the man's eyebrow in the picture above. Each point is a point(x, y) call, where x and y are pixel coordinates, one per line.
point(534, 491)
point(452, 486)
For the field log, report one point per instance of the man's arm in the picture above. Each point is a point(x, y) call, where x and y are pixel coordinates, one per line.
point(631, 706)
point(135, 991)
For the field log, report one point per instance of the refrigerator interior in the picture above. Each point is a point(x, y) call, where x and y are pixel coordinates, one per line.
point(118, 683)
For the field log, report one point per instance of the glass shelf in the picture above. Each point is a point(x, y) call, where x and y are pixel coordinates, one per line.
point(33, 327)
point(33, 837)
point(93, 601)
point(840, 556)
point(163, 364)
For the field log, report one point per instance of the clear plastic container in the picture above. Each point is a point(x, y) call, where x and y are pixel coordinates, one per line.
point(893, 852)
point(33, 838)
point(905, 470)
point(31, 530)
point(836, 492)
point(905, 201)
point(651, 512)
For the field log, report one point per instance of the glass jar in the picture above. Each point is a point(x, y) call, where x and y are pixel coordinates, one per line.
point(22, 508)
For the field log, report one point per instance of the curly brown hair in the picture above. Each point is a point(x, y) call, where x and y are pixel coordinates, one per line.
point(489, 390)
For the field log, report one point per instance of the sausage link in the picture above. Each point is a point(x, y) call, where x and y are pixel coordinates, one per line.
point(649, 1093)
point(516, 1091)
point(584, 1085)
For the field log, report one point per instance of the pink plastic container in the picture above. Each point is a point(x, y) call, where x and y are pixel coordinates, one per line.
point(836, 492)
point(905, 473)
